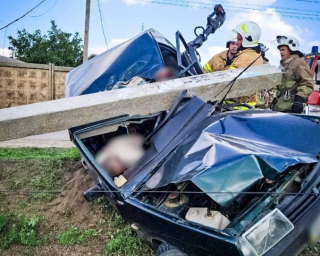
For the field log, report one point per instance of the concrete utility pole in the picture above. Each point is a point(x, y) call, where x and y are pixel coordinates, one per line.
point(86, 32)
point(57, 115)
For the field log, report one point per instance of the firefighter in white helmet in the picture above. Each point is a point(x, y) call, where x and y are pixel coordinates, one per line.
point(223, 60)
point(248, 36)
point(297, 82)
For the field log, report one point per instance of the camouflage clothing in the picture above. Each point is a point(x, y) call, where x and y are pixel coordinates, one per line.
point(265, 98)
point(296, 80)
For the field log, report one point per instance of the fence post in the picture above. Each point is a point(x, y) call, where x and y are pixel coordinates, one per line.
point(49, 82)
point(52, 82)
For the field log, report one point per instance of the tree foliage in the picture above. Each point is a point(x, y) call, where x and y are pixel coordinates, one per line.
point(57, 47)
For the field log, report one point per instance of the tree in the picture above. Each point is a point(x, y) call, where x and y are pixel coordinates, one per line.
point(57, 47)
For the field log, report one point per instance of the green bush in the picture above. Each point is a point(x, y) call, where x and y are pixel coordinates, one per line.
point(123, 240)
point(75, 236)
point(19, 230)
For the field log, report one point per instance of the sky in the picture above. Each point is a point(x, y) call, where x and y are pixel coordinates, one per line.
point(124, 19)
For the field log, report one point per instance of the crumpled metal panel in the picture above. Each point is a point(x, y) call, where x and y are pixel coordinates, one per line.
point(234, 152)
point(139, 56)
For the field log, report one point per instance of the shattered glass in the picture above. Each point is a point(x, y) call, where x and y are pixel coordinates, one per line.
point(268, 232)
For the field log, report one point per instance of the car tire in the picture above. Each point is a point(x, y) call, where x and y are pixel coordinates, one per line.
point(168, 250)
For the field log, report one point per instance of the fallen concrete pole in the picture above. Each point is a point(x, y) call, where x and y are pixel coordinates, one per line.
point(51, 116)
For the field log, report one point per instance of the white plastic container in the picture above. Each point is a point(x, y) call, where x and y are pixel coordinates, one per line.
point(199, 215)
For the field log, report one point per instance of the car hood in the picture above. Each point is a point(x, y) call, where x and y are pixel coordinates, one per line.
point(232, 153)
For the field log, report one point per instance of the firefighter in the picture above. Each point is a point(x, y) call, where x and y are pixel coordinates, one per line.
point(223, 60)
point(248, 36)
point(297, 82)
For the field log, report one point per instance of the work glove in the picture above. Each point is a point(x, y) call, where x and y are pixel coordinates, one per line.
point(298, 104)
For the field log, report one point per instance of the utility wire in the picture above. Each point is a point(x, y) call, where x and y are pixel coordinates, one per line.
point(209, 2)
point(317, 2)
point(238, 9)
point(297, 11)
point(222, 193)
point(104, 35)
point(196, 3)
point(22, 15)
point(105, 26)
point(230, 85)
point(46, 11)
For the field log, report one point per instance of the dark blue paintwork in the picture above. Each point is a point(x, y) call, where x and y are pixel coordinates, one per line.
point(236, 151)
point(139, 56)
point(279, 139)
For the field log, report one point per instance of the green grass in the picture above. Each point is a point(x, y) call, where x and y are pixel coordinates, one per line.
point(39, 153)
point(75, 236)
point(34, 175)
point(48, 179)
point(19, 230)
point(123, 240)
point(39, 169)
point(42, 170)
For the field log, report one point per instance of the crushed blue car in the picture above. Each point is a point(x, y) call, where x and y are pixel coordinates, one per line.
point(212, 181)
point(228, 183)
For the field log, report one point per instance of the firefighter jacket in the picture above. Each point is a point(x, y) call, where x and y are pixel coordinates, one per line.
point(217, 63)
point(245, 58)
point(296, 80)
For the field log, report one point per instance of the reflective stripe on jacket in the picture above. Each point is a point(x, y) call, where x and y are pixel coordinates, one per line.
point(296, 80)
point(217, 63)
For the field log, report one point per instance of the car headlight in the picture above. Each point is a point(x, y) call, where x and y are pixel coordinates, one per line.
point(266, 233)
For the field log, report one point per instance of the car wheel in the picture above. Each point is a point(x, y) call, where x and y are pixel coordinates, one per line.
point(168, 250)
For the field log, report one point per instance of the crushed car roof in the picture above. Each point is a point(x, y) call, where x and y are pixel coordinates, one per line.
point(139, 56)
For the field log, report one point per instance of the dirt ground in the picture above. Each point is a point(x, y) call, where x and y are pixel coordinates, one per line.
point(68, 209)
point(61, 212)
